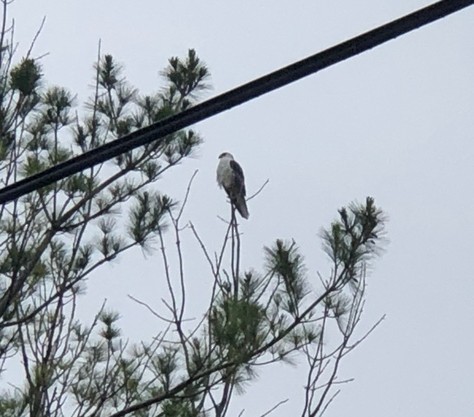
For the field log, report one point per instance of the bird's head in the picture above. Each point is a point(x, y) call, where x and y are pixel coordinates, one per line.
point(226, 155)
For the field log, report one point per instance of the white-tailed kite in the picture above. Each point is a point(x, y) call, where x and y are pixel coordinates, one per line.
point(231, 177)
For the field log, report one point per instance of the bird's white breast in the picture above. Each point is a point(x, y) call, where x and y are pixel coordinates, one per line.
point(224, 173)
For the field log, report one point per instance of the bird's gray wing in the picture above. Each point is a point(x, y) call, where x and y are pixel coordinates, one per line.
point(239, 178)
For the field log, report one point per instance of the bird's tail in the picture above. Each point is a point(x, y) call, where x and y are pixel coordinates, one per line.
point(241, 206)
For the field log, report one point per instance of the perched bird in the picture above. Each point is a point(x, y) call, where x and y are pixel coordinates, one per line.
point(231, 177)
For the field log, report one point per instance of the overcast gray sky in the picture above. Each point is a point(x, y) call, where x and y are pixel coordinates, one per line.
point(395, 123)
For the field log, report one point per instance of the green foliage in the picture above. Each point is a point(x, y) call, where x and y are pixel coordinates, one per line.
point(236, 328)
point(51, 240)
point(178, 408)
point(11, 405)
point(148, 215)
point(187, 77)
point(286, 264)
point(57, 103)
point(352, 240)
point(26, 77)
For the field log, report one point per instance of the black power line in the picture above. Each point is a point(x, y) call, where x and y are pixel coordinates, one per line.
point(236, 96)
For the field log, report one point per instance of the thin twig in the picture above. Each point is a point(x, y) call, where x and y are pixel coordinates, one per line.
point(186, 196)
point(274, 407)
point(142, 303)
point(35, 38)
point(377, 323)
point(331, 399)
point(259, 190)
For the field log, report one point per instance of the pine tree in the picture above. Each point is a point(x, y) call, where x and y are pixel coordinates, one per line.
point(52, 239)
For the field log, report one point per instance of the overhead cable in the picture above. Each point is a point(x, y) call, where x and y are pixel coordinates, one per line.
point(235, 97)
